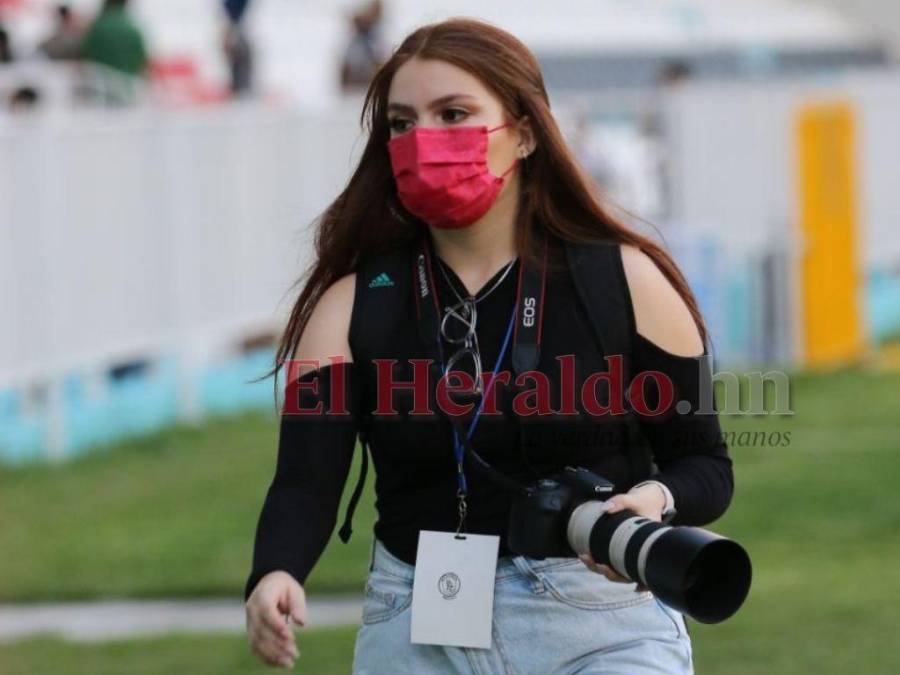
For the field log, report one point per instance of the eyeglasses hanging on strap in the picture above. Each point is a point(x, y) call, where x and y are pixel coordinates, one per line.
point(458, 327)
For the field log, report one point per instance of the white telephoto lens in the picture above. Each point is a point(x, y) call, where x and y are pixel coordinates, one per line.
point(645, 550)
point(619, 542)
point(581, 523)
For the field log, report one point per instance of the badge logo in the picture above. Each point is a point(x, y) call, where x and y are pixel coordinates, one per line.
point(381, 280)
point(528, 314)
point(449, 585)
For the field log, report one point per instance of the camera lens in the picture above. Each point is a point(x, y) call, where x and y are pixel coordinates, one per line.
point(693, 570)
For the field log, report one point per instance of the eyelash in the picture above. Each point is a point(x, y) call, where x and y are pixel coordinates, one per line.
point(394, 122)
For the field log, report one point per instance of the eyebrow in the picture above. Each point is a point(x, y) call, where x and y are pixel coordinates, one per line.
point(436, 103)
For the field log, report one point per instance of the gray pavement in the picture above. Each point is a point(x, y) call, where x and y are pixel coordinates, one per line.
point(115, 619)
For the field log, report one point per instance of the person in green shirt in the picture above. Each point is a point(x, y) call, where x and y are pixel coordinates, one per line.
point(114, 40)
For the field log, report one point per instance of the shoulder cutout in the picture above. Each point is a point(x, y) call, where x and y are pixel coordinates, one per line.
point(660, 314)
point(325, 334)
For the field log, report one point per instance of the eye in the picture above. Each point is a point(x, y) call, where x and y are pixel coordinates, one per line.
point(453, 114)
point(398, 124)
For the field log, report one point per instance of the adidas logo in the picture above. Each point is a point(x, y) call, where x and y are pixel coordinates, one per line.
point(381, 280)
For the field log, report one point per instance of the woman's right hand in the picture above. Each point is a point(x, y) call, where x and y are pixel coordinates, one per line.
point(277, 599)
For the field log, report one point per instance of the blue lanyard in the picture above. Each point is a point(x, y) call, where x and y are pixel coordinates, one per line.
point(458, 447)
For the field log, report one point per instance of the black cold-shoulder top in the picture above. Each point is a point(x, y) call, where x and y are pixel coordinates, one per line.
point(413, 455)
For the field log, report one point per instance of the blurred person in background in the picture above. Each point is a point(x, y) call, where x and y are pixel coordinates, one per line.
point(674, 73)
point(365, 53)
point(24, 99)
point(114, 44)
point(114, 40)
point(238, 49)
point(6, 54)
point(597, 163)
point(64, 43)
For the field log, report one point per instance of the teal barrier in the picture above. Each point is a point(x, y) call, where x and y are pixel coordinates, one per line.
point(227, 388)
point(21, 434)
point(129, 403)
point(883, 305)
point(723, 292)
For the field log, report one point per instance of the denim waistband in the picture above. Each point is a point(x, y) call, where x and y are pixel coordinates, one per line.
point(507, 566)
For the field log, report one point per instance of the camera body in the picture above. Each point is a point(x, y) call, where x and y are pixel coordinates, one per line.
point(692, 570)
point(539, 519)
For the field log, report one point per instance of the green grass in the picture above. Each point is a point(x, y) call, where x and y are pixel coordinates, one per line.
point(821, 520)
point(175, 514)
point(322, 652)
point(172, 514)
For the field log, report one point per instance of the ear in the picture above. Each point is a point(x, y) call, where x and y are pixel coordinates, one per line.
point(527, 141)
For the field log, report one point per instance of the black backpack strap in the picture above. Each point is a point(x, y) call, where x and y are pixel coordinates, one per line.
point(346, 528)
point(600, 281)
point(382, 284)
point(599, 277)
point(383, 289)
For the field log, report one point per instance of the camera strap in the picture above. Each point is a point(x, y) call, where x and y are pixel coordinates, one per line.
point(530, 293)
point(597, 272)
point(525, 327)
point(502, 481)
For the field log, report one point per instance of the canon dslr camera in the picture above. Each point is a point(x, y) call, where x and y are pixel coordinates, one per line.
point(694, 571)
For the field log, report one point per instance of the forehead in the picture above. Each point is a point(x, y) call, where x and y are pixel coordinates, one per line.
point(419, 81)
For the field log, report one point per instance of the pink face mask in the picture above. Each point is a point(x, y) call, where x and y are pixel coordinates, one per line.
point(442, 173)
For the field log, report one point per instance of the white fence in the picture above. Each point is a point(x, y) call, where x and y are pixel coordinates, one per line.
point(169, 237)
point(146, 234)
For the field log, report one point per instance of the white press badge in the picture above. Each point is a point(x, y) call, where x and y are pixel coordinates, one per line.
point(453, 589)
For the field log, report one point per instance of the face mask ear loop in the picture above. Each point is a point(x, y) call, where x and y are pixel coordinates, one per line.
point(511, 167)
point(516, 160)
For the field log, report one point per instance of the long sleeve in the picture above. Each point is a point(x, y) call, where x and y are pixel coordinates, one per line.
point(688, 447)
point(314, 456)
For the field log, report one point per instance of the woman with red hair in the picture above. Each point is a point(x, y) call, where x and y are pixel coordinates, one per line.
point(465, 184)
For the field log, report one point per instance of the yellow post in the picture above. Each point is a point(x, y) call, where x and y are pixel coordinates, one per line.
point(829, 275)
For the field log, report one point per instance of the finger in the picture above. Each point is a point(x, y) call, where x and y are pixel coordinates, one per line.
point(267, 653)
point(589, 562)
point(612, 575)
point(286, 661)
point(287, 653)
point(263, 632)
point(283, 661)
point(271, 617)
point(296, 604)
point(605, 571)
point(262, 637)
point(264, 654)
point(614, 504)
point(287, 644)
point(275, 651)
point(291, 646)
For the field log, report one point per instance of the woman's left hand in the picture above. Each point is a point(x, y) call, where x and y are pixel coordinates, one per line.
point(646, 500)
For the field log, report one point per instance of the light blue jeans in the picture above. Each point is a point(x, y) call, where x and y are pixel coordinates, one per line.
point(551, 617)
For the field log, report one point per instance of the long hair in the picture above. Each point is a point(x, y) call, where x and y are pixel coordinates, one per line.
point(555, 196)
